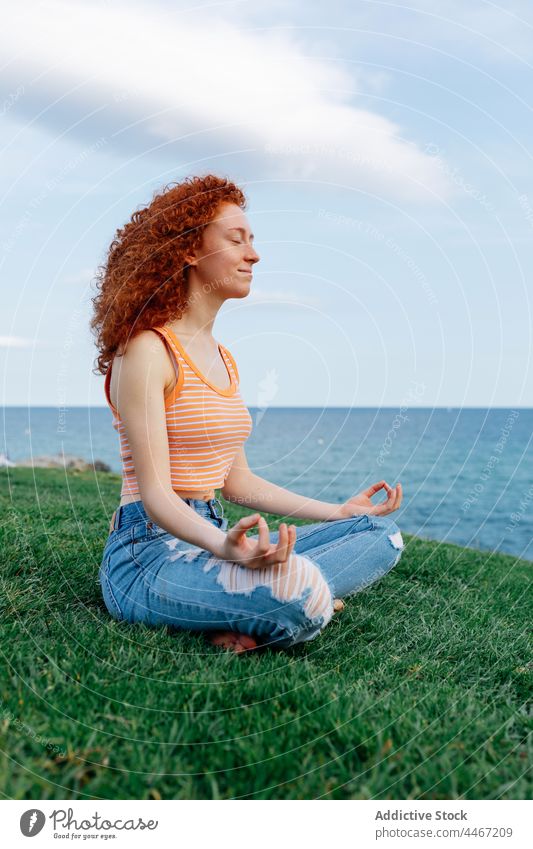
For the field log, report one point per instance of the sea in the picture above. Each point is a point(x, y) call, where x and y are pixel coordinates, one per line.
point(466, 473)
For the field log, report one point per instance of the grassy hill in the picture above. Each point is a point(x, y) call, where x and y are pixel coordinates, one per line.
point(419, 689)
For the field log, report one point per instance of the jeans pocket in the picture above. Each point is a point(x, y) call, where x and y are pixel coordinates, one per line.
point(143, 535)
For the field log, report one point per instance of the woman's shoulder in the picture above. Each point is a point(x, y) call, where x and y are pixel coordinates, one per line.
point(142, 354)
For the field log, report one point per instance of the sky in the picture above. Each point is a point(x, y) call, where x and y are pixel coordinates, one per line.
point(385, 152)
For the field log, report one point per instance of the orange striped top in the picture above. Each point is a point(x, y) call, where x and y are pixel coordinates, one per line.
point(206, 425)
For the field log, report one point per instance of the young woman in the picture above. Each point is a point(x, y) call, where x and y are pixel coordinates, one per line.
point(170, 558)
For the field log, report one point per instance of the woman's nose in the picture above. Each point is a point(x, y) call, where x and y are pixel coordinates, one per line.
point(252, 255)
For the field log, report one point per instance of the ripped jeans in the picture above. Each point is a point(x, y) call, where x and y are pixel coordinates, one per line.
point(149, 576)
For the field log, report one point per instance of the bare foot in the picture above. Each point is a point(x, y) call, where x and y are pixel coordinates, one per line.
point(232, 640)
point(239, 643)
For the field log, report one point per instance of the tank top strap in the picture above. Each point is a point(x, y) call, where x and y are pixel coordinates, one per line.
point(177, 363)
point(232, 361)
point(168, 337)
point(107, 385)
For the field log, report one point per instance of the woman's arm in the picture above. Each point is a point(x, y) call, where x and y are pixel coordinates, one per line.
point(243, 487)
point(254, 492)
point(258, 494)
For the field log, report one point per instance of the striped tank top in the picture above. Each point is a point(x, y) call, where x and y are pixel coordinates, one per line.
point(206, 425)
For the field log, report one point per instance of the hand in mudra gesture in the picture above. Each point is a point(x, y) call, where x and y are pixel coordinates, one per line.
point(361, 503)
point(257, 553)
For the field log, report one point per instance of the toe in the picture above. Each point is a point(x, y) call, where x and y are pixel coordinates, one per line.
point(233, 640)
point(247, 642)
point(225, 639)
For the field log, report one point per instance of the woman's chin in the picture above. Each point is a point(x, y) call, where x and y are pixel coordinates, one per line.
point(240, 289)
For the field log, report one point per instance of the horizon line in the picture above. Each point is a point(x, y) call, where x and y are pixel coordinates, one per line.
point(280, 407)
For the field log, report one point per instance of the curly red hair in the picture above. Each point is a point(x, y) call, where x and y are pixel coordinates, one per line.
point(143, 282)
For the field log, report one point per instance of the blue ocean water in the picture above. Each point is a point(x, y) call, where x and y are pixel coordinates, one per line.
point(467, 473)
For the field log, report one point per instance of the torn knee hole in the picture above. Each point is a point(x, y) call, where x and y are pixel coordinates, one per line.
point(320, 606)
point(396, 539)
point(287, 581)
point(320, 600)
point(292, 578)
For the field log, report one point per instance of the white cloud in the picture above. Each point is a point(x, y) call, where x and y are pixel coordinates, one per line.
point(206, 91)
point(15, 342)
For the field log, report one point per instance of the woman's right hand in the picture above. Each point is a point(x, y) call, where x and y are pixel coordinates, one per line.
point(255, 554)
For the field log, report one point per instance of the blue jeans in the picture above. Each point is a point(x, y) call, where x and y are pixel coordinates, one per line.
point(149, 576)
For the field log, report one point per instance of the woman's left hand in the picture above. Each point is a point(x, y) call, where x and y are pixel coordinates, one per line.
point(361, 503)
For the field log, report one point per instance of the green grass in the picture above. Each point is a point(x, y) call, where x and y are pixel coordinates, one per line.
point(418, 690)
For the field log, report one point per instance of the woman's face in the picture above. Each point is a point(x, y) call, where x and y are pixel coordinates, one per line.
point(227, 254)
